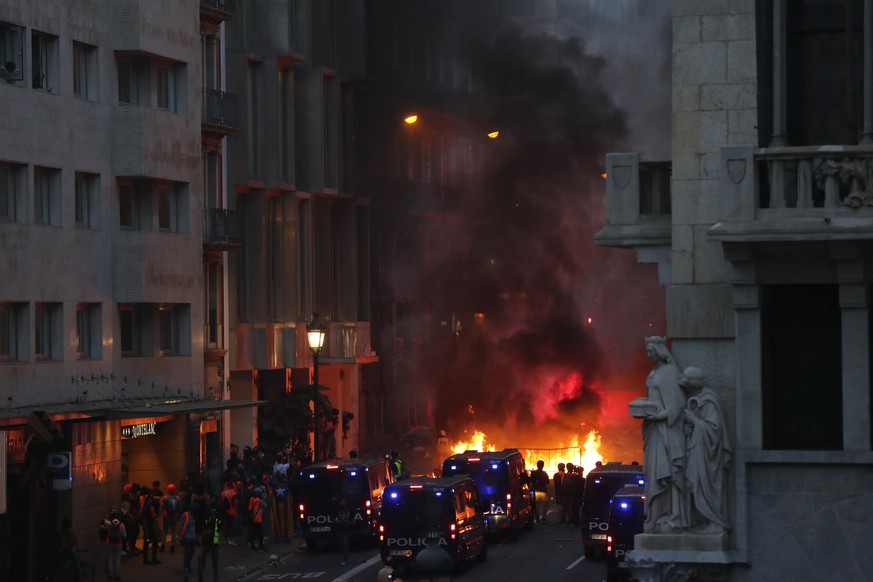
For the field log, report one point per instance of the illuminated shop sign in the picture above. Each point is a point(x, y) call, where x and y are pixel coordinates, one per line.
point(138, 430)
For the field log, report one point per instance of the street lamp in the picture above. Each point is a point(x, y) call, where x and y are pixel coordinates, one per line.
point(315, 332)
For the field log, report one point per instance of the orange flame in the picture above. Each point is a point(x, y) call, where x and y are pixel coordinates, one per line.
point(585, 456)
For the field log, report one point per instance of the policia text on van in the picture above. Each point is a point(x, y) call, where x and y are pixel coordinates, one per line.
point(504, 494)
point(600, 485)
point(321, 486)
point(431, 525)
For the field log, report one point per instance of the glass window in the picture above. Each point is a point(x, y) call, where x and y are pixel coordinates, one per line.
point(47, 196)
point(802, 367)
point(89, 342)
point(11, 188)
point(85, 71)
point(12, 317)
point(87, 201)
point(44, 61)
point(47, 331)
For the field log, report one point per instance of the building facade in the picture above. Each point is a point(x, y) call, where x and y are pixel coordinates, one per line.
point(114, 244)
point(295, 177)
point(763, 236)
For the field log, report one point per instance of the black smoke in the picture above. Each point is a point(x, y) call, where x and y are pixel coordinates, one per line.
point(529, 215)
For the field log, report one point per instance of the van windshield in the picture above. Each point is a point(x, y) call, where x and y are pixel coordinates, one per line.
point(491, 477)
point(417, 508)
point(599, 489)
point(328, 484)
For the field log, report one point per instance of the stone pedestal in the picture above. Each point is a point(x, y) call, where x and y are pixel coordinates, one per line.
point(681, 557)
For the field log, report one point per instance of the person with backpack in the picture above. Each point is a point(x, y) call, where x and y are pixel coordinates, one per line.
point(211, 539)
point(188, 535)
point(227, 502)
point(149, 512)
point(172, 510)
point(115, 536)
point(256, 522)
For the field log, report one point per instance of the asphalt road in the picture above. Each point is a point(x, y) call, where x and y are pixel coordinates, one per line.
point(547, 552)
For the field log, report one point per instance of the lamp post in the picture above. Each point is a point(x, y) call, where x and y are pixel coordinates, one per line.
point(315, 332)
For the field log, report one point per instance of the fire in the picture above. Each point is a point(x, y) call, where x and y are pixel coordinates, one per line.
point(476, 443)
point(585, 456)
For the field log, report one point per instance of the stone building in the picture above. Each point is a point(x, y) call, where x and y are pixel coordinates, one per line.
point(761, 224)
point(113, 239)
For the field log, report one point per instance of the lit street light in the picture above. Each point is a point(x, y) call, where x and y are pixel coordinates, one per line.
point(315, 332)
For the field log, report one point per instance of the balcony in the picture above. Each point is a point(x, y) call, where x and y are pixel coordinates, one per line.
point(220, 114)
point(795, 194)
point(222, 229)
point(638, 209)
point(346, 342)
point(216, 11)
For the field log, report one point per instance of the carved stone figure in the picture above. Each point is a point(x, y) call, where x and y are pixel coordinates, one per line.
point(709, 455)
point(664, 442)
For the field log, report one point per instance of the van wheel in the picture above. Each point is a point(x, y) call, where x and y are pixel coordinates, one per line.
point(483, 552)
point(461, 563)
point(311, 545)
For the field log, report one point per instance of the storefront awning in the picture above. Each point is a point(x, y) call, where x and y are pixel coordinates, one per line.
point(116, 410)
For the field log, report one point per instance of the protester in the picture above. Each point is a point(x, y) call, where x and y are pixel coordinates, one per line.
point(115, 536)
point(210, 542)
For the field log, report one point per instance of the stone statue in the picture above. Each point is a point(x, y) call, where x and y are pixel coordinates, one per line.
point(709, 455)
point(663, 442)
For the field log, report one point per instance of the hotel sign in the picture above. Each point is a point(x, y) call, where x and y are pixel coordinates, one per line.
point(134, 431)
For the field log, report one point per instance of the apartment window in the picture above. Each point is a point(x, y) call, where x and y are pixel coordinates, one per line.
point(214, 305)
point(802, 367)
point(136, 201)
point(85, 71)
point(174, 329)
point(11, 191)
point(47, 196)
point(44, 60)
point(11, 52)
point(87, 200)
point(48, 331)
point(12, 326)
point(133, 80)
point(136, 326)
point(89, 325)
point(128, 216)
point(812, 81)
point(165, 88)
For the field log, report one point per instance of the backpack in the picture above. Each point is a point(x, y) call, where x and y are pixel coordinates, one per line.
point(114, 535)
point(225, 502)
point(172, 504)
point(103, 532)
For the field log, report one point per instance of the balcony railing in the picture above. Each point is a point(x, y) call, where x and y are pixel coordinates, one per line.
point(220, 110)
point(815, 179)
point(216, 11)
point(345, 341)
point(638, 202)
point(222, 228)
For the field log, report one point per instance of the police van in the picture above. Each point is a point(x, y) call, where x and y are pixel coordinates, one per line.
point(319, 487)
point(601, 483)
point(431, 525)
point(504, 492)
point(627, 513)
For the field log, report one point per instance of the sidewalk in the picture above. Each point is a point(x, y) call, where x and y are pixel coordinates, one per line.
point(234, 563)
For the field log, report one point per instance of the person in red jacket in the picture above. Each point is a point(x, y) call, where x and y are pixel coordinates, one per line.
point(257, 506)
point(228, 501)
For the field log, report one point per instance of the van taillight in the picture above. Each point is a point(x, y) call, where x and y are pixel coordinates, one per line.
point(300, 507)
point(453, 530)
point(367, 504)
point(381, 533)
point(608, 543)
point(508, 501)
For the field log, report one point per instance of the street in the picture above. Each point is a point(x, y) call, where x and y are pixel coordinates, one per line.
point(548, 552)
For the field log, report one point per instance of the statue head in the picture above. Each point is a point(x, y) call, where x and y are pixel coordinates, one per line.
point(656, 346)
point(691, 379)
